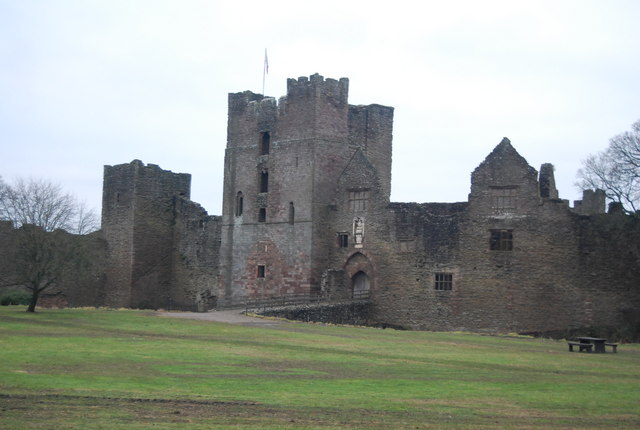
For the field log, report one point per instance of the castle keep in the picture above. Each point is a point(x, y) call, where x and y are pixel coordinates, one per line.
point(306, 210)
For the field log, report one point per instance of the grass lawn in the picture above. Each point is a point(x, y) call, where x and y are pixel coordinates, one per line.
point(108, 369)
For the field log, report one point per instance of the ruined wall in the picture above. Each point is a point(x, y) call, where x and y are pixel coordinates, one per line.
point(6, 247)
point(306, 210)
point(82, 282)
point(162, 248)
point(196, 258)
point(551, 269)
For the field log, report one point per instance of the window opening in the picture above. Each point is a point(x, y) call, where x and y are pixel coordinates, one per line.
point(358, 200)
point(292, 213)
point(264, 182)
point(239, 203)
point(343, 240)
point(501, 240)
point(503, 198)
point(262, 215)
point(261, 270)
point(266, 143)
point(443, 281)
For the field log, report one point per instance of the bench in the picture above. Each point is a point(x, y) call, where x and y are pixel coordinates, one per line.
point(583, 346)
point(613, 346)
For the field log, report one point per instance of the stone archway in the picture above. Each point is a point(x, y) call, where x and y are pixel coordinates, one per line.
point(359, 285)
point(359, 272)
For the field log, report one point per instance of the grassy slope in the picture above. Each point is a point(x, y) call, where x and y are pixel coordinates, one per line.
point(128, 369)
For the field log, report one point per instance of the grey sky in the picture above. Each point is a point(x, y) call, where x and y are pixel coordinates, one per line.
point(88, 83)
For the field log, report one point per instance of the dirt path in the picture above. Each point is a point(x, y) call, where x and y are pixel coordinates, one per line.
point(231, 317)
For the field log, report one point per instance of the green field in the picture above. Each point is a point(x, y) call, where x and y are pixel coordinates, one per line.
point(108, 369)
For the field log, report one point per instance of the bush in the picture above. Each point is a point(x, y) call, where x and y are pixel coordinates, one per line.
point(14, 297)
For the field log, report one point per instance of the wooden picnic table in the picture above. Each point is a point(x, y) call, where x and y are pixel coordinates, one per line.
point(598, 343)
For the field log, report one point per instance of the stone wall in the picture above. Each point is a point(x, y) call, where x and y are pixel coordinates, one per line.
point(306, 210)
point(558, 269)
point(349, 313)
point(82, 282)
point(163, 249)
point(313, 135)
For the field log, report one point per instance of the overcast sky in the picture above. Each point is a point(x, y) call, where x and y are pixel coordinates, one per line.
point(87, 83)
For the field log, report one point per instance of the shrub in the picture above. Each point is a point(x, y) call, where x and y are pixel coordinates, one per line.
point(15, 297)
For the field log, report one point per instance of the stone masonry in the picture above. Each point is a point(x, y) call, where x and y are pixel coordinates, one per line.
point(306, 210)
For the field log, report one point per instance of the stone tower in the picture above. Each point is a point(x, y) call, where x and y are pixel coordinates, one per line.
point(138, 218)
point(282, 164)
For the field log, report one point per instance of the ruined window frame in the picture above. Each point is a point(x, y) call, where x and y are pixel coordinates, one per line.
point(262, 271)
point(358, 200)
point(443, 281)
point(504, 198)
point(501, 240)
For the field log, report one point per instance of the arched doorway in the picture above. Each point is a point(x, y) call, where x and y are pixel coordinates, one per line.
point(359, 285)
point(359, 279)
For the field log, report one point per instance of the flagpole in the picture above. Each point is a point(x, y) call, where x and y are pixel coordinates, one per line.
point(265, 69)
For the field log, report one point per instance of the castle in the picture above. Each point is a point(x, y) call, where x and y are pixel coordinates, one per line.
point(306, 210)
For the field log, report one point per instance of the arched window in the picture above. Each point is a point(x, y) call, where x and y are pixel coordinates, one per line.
point(266, 143)
point(292, 213)
point(239, 203)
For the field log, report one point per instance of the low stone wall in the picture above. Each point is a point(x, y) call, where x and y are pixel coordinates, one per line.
point(334, 313)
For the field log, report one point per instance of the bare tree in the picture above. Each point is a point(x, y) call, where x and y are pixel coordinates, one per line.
point(616, 170)
point(44, 248)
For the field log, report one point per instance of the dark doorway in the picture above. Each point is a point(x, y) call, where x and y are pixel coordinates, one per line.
point(360, 284)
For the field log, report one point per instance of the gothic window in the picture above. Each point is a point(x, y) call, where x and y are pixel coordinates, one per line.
point(503, 198)
point(261, 271)
point(292, 213)
point(501, 240)
point(358, 200)
point(343, 240)
point(262, 215)
point(264, 181)
point(443, 281)
point(266, 143)
point(239, 203)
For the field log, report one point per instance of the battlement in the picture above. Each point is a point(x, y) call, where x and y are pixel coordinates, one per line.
point(317, 86)
point(144, 180)
point(238, 102)
point(593, 202)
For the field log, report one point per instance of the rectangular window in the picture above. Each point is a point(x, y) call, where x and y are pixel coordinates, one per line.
point(503, 198)
point(262, 215)
point(443, 281)
point(261, 270)
point(292, 213)
point(239, 203)
point(343, 240)
point(501, 240)
point(264, 182)
point(266, 142)
point(358, 200)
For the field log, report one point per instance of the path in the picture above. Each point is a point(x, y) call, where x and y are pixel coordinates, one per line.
point(234, 316)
